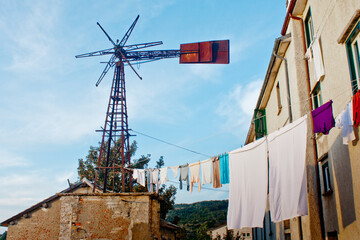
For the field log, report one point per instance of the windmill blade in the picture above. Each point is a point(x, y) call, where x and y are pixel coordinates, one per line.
point(130, 66)
point(141, 45)
point(107, 67)
point(106, 34)
point(97, 53)
point(127, 35)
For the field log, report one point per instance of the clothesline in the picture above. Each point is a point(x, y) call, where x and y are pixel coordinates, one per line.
point(275, 112)
point(171, 144)
point(211, 189)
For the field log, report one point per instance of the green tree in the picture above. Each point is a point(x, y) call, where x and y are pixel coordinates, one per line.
point(160, 162)
point(201, 232)
point(3, 236)
point(87, 168)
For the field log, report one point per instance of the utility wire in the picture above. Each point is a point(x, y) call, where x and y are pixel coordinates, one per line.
point(212, 189)
point(171, 144)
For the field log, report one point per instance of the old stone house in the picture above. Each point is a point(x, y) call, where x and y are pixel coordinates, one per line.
point(220, 232)
point(316, 60)
point(80, 213)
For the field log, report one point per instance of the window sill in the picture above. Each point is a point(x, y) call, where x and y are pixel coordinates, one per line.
point(327, 193)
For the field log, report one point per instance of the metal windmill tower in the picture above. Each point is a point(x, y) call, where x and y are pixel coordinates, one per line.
point(116, 122)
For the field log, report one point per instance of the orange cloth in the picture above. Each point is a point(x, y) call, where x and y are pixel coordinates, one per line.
point(195, 175)
point(216, 173)
point(356, 109)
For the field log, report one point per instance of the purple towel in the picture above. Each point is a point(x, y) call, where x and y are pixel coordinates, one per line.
point(323, 118)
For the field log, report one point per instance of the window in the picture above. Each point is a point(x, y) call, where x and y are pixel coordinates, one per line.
point(326, 178)
point(260, 123)
point(325, 174)
point(278, 97)
point(316, 96)
point(309, 28)
point(352, 47)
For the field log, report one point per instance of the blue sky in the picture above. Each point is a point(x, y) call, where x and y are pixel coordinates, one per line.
point(50, 107)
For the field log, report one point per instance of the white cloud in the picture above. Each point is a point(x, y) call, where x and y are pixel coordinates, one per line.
point(8, 159)
point(206, 71)
point(31, 41)
point(238, 105)
point(23, 189)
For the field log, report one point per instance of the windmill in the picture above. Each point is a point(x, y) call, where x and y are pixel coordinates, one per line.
point(116, 122)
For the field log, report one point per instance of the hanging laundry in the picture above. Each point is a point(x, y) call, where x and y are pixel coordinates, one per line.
point(356, 109)
point(216, 173)
point(195, 175)
point(323, 118)
point(148, 176)
point(206, 171)
point(175, 170)
point(287, 171)
point(139, 175)
point(224, 168)
point(163, 175)
point(184, 175)
point(343, 120)
point(248, 185)
point(154, 178)
point(318, 62)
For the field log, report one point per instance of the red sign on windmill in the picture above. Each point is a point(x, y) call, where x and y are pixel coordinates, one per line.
point(205, 52)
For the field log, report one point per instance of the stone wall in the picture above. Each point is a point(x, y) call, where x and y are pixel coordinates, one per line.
point(87, 215)
point(42, 224)
point(109, 216)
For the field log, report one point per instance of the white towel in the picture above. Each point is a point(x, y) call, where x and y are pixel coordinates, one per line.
point(248, 185)
point(287, 171)
point(163, 175)
point(206, 171)
point(175, 170)
point(139, 175)
point(344, 121)
point(318, 62)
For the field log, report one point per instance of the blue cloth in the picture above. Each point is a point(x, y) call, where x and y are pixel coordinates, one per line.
point(224, 168)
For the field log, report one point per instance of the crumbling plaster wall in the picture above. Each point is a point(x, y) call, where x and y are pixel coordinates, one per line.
point(109, 216)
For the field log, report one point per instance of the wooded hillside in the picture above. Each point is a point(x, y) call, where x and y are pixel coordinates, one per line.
point(197, 218)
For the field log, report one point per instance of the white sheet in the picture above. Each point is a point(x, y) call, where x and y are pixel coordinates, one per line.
point(206, 171)
point(175, 170)
point(318, 62)
point(139, 175)
point(287, 172)
point(163, 175)
point(248, 185)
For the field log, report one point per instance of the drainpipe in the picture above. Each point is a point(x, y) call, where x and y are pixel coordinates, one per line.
point(312, 126)
point(287, 84)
